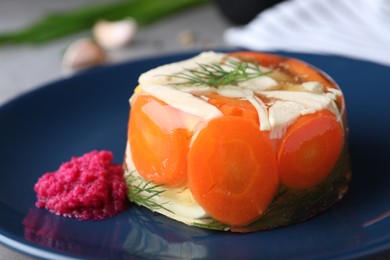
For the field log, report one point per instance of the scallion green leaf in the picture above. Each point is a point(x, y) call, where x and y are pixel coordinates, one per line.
point(57, 25)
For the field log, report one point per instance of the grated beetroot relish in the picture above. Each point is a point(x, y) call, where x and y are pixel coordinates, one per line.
point(89, 187)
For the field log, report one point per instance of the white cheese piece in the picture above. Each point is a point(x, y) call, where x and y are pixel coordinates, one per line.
point(195, 89)
point(182, 101)
point(181, 202)
point(282, 114)
point(261, 111)
point(161, 75)
point(333, 93)
point(314, 101)
point(259, 84)
point(231, 91)
point(258, 104)
point(167, 118)
point(336, 92)
point(289, 105)
point(313, 86)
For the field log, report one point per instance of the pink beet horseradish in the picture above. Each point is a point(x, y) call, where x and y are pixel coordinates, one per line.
point(89, 187)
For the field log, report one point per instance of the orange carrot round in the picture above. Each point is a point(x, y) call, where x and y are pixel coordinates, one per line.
point(299, 69)
point(234, 107)
point(232, 170)
point(306, 72)
point(264, 59)
point(309, 150)
point(158, 147)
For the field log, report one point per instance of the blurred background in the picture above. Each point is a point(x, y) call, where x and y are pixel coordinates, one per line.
point(45, 40)
point(194, 25)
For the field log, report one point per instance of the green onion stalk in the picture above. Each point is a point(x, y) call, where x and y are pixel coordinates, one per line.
point(61, 24)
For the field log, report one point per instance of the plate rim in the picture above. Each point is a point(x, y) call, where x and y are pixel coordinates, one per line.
point(40, 251)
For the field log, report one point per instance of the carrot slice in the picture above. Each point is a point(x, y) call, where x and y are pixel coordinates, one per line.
point(232, 170)
point(309, 150)
point(298, 70)
point(234, 107)
point(158, 146)
point(264, 59)
point(306, 72)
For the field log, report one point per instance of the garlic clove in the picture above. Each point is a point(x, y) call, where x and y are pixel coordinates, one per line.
point(83, 54)
point(186, 38)
point(114, 35)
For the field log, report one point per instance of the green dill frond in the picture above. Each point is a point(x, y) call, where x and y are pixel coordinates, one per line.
point(231, 72)
point(142, 193)
point(213, 224)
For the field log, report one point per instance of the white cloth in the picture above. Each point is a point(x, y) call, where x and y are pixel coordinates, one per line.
point(352, 28)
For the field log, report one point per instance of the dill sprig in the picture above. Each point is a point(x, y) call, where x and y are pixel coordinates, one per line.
point(231, 72)
point(143, 193)
point(213, 224)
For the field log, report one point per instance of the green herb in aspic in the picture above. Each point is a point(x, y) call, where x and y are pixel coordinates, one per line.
point(231, 72)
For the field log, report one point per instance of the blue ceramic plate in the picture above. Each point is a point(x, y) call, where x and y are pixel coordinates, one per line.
point(46, 127)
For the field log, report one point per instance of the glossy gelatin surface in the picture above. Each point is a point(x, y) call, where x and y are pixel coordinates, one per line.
point(243, 141)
